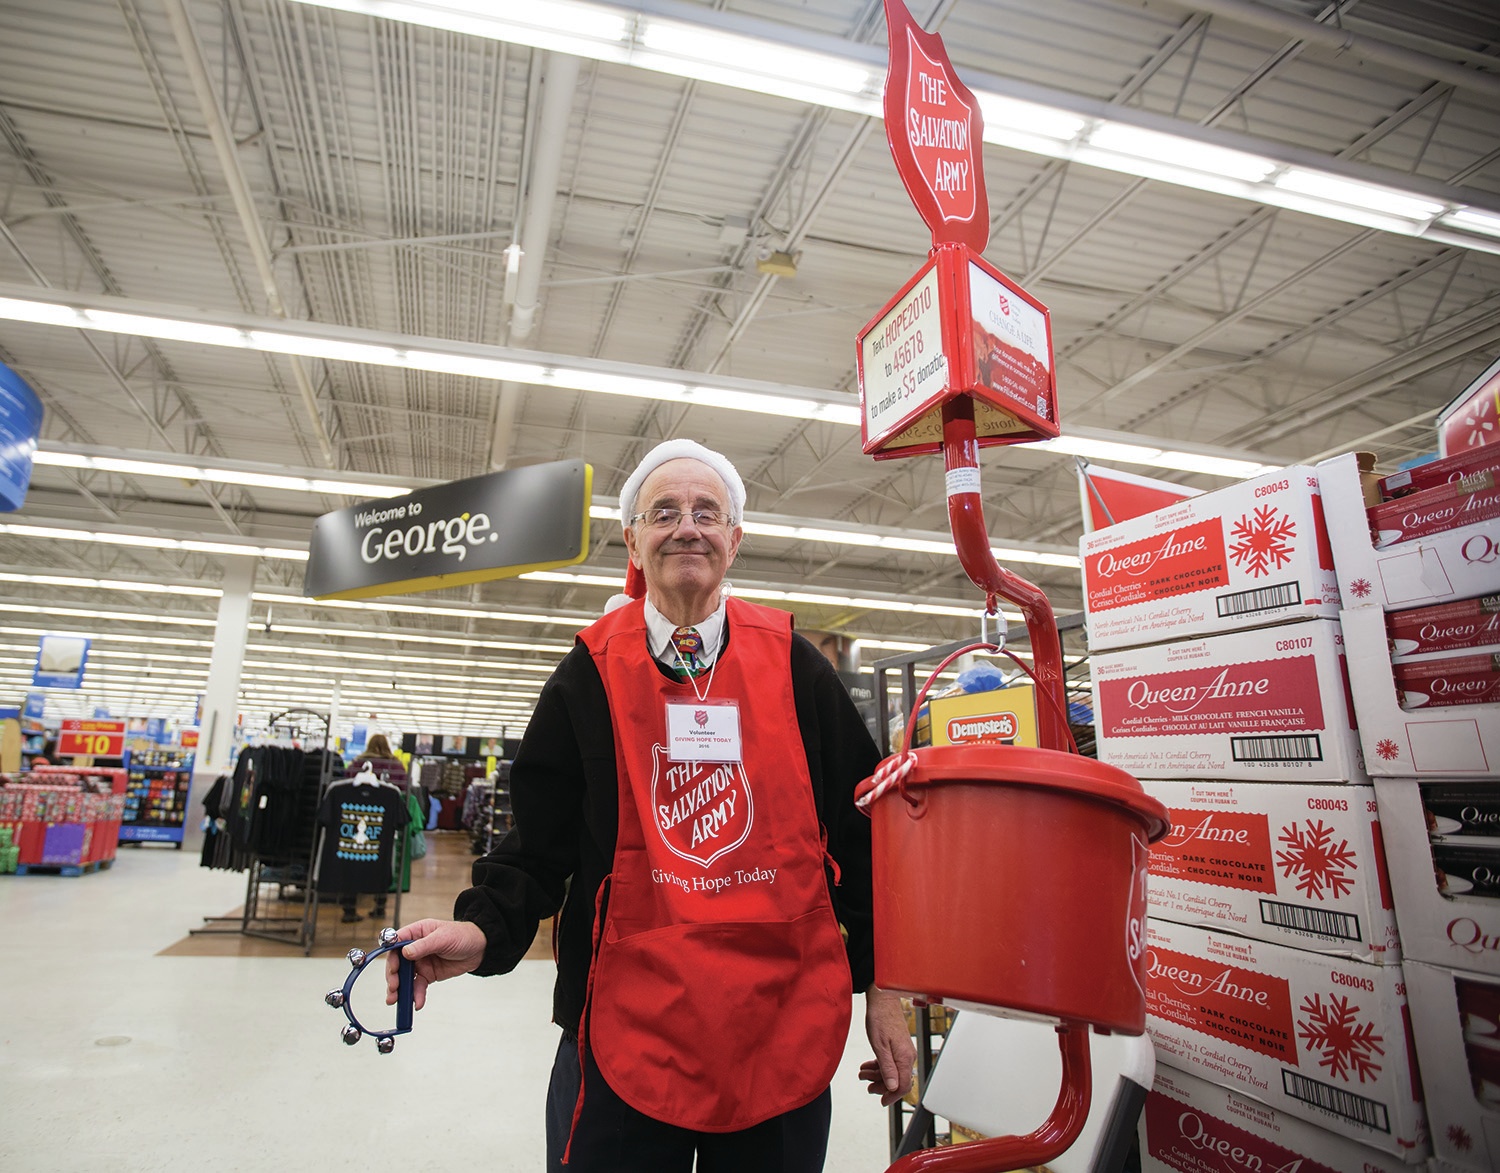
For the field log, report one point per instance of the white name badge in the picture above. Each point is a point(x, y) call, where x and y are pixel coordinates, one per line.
point(704, 731)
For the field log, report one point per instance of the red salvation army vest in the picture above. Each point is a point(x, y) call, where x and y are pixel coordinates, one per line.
point(720, 989)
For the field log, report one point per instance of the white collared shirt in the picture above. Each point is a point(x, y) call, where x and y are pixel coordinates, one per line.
point(659, 631)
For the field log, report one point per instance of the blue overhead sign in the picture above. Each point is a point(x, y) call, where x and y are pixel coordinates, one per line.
point(20, 425)
point(60, 661)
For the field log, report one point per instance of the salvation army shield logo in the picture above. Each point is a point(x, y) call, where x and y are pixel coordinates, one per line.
point(939, 127)
point(700, 718)
point(702, 810)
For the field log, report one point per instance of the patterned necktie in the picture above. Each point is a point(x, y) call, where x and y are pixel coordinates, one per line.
point(689, 645)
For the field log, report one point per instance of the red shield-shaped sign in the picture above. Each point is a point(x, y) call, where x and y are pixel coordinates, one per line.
point(703, 810)
point(701, 717)
point(935, 131)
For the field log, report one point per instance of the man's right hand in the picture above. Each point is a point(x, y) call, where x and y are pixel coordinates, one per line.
point(440, 949)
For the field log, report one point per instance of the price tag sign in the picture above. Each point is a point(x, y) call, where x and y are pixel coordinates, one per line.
point(96, 739)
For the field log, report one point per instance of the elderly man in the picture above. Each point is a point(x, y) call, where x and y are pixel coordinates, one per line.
point(683, 794)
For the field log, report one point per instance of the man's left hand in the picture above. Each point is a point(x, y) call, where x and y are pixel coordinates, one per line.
point(889, 1074)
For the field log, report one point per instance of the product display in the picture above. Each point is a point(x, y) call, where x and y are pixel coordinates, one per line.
point(1440, 741)
point(1248, 555)
point(1465, 463)
point(1469, 624)
point(1463, 502)
point(1456, 1023)
point(63, 818)
point(1461, 561)
point(1450, 680)
point(1270, 703)
point(1445, 919)
point(157, 794)
point(1296, 865)
point(1321, 1038)
point(1191, 1125)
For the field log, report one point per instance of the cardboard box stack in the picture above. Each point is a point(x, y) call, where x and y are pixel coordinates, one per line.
point(1419, 566)
point(1275, 995)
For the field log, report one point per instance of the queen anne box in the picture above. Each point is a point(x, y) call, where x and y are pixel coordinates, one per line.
point(1269, 704)
point(1244, 556)
point(1296, 865)
point(1321, 1038)
point(1192, 1126)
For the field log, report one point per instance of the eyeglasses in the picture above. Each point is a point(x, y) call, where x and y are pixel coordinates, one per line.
point(671, 518)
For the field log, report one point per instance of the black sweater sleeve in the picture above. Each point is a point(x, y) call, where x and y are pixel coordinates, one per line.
point(524, 880)
point(840, 754)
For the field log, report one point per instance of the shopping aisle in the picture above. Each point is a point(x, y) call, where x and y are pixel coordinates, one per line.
point(112, 1057)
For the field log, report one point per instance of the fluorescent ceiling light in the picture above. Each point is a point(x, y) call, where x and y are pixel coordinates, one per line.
point(166, 617)
point(223, 476)
point(848, 77)
point(152, 541)
point(1356, 194)
point(752, 63)
point(1471, 220)
point(1218, 466)
point(1179, 152)
point(1009, 114)
point(796, 402)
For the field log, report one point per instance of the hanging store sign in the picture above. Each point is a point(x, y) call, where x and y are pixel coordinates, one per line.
point(959, 327)
point(91, 739)
point(20, 425)
point(35, 707)
point(494, 526)
point(60, 661)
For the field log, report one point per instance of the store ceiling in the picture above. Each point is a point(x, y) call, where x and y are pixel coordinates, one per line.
point(371, 174)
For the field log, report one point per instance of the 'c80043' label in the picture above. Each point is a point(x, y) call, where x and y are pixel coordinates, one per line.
point(1184, 561)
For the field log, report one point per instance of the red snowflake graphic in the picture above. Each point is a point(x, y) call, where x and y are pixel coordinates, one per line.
point(1459, 1138)
point(1320, 865)
point(1259, 541)
point(1388, 749)
point(1360, 588)
point(1348, 1046)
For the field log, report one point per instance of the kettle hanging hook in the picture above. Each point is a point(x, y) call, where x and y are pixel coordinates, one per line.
point(1002, 627)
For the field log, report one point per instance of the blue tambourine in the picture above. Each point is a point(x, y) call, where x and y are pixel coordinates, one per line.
point(385, 1040)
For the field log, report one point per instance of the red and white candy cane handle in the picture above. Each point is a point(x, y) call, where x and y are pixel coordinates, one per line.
point(966, 519)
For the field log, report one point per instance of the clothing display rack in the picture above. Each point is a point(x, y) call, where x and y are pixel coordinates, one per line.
point(487, 811)
point(269, 810)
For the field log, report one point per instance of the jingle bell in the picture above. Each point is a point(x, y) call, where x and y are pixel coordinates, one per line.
point(334, 998)
point(386, 1045)
point(356, 957)
point(352, 1034)
point(387, 936)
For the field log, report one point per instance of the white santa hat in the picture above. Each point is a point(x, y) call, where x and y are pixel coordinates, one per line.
point(683, 450)
point(635, 582)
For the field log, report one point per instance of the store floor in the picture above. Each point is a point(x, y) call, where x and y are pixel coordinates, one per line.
point(115, 1056)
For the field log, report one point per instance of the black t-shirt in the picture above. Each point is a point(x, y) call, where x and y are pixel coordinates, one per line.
point(362, 822)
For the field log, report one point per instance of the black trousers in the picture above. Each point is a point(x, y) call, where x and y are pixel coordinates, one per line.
point(612, 1137)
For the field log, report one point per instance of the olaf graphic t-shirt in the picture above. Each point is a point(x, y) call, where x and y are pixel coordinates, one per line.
point(361, 823)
